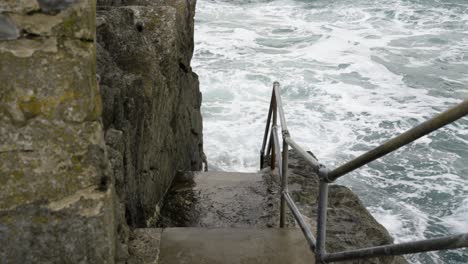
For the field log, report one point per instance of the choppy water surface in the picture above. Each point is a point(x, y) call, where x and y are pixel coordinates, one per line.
point(353, 74)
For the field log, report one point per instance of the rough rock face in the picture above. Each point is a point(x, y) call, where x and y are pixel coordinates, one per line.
point(151, 99)
point(56, 197)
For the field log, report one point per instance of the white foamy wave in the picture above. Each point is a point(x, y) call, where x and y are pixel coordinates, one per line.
point(458, 221)
point(353, 74)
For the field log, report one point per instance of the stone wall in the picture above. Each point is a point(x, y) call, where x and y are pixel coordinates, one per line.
point(56, 197)
point(151, 99)
point(68, 143)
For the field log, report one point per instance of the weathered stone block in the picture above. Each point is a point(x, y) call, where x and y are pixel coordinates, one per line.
point(55, 6)
point(19, 6)
point(76, 229)
point(57, 198)
point(64, 18)
point(8, 29)
point(32, 66)
point(50, 112)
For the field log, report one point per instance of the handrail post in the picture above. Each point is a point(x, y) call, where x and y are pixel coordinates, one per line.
point(270, 143)
point(284, 182)
point(262, 154)
point(321, 221)
point(265, 135)
point(273, 147)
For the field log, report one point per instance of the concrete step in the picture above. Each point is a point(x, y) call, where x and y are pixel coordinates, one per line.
point(220, 199)
point(233, 246)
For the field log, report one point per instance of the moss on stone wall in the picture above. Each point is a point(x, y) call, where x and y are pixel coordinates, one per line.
point(54, 171)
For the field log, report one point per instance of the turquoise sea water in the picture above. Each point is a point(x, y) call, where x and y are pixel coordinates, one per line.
point(353, 74)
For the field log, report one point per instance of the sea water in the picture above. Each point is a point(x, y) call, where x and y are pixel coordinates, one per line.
point(354, 73)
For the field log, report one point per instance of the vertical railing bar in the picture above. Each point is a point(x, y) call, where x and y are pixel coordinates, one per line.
point(267, 129)
point(262, 156)
point(277, 149)
point(273, 145)
point(273, 151)
point(279, 105)
point(284, 183)
point(321, 221)
point(270, 143)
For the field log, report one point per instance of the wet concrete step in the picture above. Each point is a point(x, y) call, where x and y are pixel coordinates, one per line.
point(233, 246)
point(220, 199)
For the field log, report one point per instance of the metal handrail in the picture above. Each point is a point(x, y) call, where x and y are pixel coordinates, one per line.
point(274, 135)
point(409, 136)
point(448, 242)
point(326, 177)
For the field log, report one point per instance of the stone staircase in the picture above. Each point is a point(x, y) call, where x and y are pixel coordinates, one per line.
point(220, 245)
point(230, 217)
point(226, 218)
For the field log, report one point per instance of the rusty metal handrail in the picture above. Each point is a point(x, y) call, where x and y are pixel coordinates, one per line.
point(326, 177)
